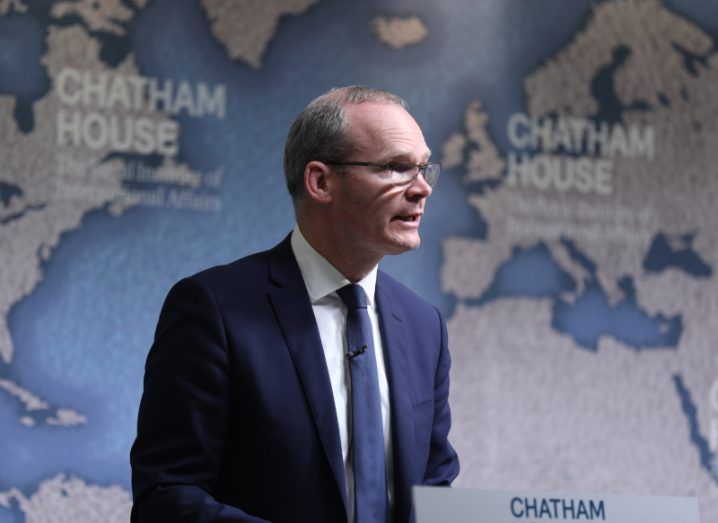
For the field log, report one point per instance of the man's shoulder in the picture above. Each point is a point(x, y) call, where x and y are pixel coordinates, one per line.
point(249, 271)
point(247, 267)
point(403, 296)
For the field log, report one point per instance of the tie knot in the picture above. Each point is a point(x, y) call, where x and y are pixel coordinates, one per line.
point(353, 296)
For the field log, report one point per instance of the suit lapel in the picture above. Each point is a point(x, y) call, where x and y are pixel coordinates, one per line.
point(393, 332)
point(293, 308)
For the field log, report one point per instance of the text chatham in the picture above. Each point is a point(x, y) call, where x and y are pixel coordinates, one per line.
point(558, 508)
point(140, 94)
point(580, 136)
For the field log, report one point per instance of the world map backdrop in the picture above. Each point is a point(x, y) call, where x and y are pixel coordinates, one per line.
point(571, 243)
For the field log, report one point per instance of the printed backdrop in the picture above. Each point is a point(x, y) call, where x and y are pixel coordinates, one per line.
point(571, 242)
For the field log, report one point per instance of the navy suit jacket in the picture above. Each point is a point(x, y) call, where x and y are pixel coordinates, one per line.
point(237, 420)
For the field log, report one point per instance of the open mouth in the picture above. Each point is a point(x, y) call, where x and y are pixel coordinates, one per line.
point(408, 218)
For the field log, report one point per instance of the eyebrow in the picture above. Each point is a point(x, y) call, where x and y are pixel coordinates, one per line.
point(404, 157)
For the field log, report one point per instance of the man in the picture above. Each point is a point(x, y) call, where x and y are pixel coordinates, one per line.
point(275, 389)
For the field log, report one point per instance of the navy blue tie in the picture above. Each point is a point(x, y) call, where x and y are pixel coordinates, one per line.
point(370, 494)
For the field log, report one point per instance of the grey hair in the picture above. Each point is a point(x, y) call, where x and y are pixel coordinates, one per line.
point(320, 132)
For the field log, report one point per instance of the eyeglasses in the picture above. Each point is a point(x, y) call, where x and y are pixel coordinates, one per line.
point(402, 173)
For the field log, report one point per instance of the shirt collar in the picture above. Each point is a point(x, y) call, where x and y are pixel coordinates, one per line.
point(321, 277)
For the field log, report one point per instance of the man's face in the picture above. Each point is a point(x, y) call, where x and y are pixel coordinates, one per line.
point(373, 215)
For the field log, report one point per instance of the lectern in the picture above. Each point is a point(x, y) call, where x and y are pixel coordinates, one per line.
point(455, 505)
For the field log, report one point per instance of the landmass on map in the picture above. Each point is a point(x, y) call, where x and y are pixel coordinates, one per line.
point(245, 27)
point(48, 184)
point(36, 210)
point(399, 32)
point(473, 149)
point(36, 409)
point(64, 499)
point(99, 15)
point(554, 291)
point(8, 6)
point(47, 187)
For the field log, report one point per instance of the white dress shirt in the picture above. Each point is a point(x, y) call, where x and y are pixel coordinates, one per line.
point(322, 280)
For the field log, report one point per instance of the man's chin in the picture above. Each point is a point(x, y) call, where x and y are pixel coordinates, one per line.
point(402, 245)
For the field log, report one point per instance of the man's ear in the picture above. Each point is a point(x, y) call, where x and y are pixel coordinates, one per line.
point(318, 181)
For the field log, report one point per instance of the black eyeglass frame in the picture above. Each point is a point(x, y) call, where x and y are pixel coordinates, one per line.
point(392, 166)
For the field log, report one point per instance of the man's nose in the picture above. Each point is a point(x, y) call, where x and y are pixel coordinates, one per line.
point(419, 188)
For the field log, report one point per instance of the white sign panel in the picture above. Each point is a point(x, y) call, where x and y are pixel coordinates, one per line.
point(451, 505)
